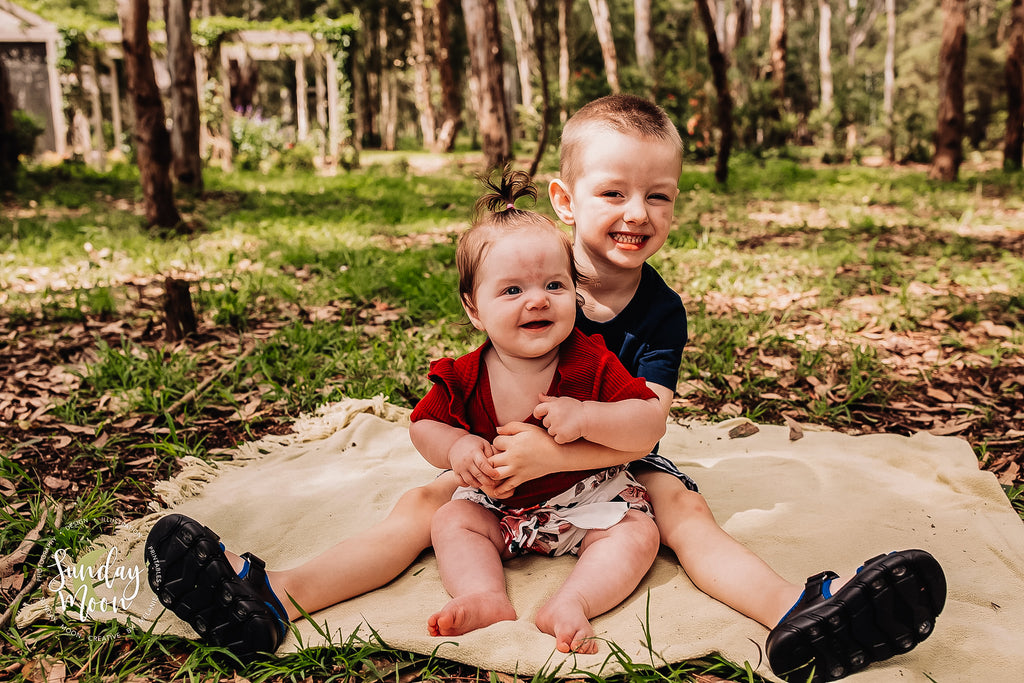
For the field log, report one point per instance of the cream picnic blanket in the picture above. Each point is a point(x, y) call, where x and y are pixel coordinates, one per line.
point(827, 501)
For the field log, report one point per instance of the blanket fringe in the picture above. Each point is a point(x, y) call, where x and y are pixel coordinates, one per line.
point(195, 474)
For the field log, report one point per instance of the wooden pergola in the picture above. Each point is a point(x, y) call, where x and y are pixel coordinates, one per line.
point(266, 45)
point(28, 46)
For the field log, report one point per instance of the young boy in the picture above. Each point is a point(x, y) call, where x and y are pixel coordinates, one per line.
point(517, 283)
point(620, 163)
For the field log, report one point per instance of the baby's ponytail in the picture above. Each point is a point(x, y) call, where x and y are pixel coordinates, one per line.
point(501, 196)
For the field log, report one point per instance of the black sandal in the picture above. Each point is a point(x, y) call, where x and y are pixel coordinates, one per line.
point(192, 577)
point(886, 609)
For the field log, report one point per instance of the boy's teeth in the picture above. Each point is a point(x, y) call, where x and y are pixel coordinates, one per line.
point(629, 239)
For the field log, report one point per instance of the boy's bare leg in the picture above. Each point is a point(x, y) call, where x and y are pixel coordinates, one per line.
point(365, 561)
point(611, 564)
point(716, 562)
point(467, 542)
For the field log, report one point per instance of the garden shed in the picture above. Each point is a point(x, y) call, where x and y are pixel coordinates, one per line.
point(28, 48)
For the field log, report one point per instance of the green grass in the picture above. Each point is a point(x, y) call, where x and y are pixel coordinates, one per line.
point(312, 288)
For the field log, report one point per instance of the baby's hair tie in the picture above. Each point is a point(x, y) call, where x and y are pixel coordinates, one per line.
point(510, 205)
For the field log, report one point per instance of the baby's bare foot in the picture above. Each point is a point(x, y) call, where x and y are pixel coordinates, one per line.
point(567, 621)
point(470, 612)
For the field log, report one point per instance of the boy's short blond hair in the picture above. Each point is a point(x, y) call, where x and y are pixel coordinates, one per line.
point(625, 114)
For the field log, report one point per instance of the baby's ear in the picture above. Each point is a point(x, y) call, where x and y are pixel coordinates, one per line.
point(561, 201)
point(470, 309)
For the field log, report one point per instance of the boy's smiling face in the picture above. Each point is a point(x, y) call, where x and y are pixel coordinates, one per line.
point(621, 204)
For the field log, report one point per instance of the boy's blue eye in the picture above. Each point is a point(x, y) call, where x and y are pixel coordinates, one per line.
point(660, 197)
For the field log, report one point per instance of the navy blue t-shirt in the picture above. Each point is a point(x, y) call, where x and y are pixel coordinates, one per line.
point(649, 334)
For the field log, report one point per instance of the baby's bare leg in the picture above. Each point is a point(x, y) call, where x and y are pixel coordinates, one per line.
point(612, 562)
point(367, 560)
point(467, 542)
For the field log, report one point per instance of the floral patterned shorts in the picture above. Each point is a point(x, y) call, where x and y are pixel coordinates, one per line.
point(557, 526)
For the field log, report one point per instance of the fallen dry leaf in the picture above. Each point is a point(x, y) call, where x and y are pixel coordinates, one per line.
point(743, 430)
point(940, 395)
point(56, 483)
point(796, 432)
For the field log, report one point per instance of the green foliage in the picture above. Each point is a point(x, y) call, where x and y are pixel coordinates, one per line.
point(26, 129)
point(210, 31)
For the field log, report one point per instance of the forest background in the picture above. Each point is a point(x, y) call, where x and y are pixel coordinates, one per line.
point(848, 244)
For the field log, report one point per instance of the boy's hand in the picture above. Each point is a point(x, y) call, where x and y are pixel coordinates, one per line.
point(521, 452)
point(469, 459)
point(565, 418)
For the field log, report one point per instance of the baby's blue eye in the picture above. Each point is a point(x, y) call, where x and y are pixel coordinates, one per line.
point(555, 286)
point(513, 290)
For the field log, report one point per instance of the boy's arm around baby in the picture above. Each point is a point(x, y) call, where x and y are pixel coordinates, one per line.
point(631, 425)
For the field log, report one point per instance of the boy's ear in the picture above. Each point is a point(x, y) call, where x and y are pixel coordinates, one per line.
point(471, 311)
point(561, 201)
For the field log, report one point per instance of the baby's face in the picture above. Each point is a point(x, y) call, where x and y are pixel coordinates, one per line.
point(524, 297)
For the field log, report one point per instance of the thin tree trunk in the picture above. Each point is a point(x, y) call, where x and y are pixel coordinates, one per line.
point(484, 33)
point(737, 25)
point(522, 56)
point(451, 95)
point(642, 37)
point(388, 87)
point(952, 61)
point(421, 84)
point(91, 85)
point(9, 161)
point(181, 61)
point(859, 32)
point(539, 19)
point(825, 66)
point(564, 13)
point(889, 88)
point(777, 50)
point(1013, 143)
point(719, 70)
point(603, 25)
point(152, 143)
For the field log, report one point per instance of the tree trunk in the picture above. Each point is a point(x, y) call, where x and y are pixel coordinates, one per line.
point(952, 61)
point(825, 66)
point(8, 150)
point(451, 95)
point(889, 88)
point(1013, 143)
point(564, 13)
point(522, 56)
point(181, 61)
point(421, 84)
point(179, 316)
point(603, 25)
point(484, 34)
point(719, 70)
point(859, 32)
point(737, 25)
point(388, 87)
point(152, 143)
point(777, 51)
point(642, 37)
point(540, 20)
